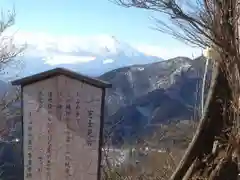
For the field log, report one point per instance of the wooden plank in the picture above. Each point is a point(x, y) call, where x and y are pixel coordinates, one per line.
point(64, 117)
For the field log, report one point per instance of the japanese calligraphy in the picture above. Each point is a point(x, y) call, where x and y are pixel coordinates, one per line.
point(90, 128)
point(40, 109)
point(49, 131)
point(61, 129)
point(68, 139)
point(29, 147)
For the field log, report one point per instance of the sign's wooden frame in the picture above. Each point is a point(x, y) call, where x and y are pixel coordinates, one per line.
point(73, 75)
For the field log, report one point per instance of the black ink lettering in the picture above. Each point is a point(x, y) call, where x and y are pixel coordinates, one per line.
point(49, 106)
point(68, 106)
point(29, 142)
point(90, 126)
point(59, 106)
point(29, 175)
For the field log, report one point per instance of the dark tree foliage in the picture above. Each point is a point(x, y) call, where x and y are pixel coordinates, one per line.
point(10, 161)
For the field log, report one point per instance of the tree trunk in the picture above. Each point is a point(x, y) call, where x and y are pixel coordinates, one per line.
point(216, 116)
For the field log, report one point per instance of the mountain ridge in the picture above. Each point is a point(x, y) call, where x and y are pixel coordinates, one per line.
point(168, 92)
point(143, 96)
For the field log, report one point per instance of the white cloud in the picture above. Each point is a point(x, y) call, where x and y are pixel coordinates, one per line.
point(171, 52)
point(66, 59)
point(106, 61)
point(97, 44)
point(101, 45)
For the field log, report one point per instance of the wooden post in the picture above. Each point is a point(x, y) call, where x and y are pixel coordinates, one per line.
point(62, 114)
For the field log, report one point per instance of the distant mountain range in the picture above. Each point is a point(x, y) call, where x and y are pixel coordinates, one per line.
point(145, 96)
point(146, 91)
point(92, 56)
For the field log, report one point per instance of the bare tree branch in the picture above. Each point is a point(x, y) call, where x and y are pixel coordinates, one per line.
point(8, 53)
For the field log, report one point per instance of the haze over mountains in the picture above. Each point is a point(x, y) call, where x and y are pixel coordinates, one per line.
point(147, 91)
point(91, 55)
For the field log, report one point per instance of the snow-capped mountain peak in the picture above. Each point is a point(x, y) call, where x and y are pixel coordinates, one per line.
point(100, 45)
point(92, 55)
point(112, 45)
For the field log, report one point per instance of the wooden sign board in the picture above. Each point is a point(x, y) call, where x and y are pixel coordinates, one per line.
point(62, 125)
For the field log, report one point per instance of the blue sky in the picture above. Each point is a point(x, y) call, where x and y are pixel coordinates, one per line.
point(89, 17)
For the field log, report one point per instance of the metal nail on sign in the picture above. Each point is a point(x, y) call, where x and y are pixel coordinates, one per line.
point(62, 125)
